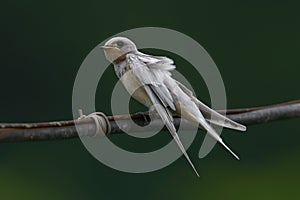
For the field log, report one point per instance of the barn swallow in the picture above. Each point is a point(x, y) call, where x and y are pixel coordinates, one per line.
point(148, 79)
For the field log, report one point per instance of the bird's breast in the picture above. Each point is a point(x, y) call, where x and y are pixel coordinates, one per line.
point(135, 89)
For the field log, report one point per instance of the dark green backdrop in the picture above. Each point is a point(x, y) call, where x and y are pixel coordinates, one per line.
point(255, 44)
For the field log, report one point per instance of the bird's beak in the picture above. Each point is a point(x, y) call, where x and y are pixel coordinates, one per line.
point(104, 47)
point(107, 47)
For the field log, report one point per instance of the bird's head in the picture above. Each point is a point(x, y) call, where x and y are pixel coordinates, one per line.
point(116, 48)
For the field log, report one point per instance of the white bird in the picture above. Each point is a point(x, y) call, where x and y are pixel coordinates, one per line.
point(148, 79)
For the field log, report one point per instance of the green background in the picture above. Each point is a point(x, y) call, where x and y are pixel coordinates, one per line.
point(255, 44)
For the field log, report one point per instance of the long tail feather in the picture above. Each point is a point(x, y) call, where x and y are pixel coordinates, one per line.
point(215, 135)
point(167, 119)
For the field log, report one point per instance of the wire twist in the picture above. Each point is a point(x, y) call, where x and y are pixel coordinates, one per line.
point(101, 122)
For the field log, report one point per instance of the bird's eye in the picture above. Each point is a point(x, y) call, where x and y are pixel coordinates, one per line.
point(120, 43)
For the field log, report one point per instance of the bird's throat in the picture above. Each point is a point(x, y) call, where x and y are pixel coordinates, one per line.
point(120, 59)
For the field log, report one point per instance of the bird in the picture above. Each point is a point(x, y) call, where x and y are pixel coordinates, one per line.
point(148, 79)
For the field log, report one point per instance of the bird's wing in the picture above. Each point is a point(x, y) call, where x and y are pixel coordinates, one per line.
point(217, 119)
point(167, 64)
point(190, 111)
point(149, 71)
point(157, 62)
point(151, 80)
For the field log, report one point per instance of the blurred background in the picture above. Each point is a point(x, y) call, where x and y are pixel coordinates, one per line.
point(254, 43)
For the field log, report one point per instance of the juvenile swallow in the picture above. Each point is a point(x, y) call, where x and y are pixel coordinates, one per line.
point(148, 79)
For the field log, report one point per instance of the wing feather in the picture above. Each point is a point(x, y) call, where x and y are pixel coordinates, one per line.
point(159, 95)
point(146, 74)
point(218, 119)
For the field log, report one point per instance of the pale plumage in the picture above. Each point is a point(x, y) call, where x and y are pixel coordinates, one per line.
point(156, 88)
